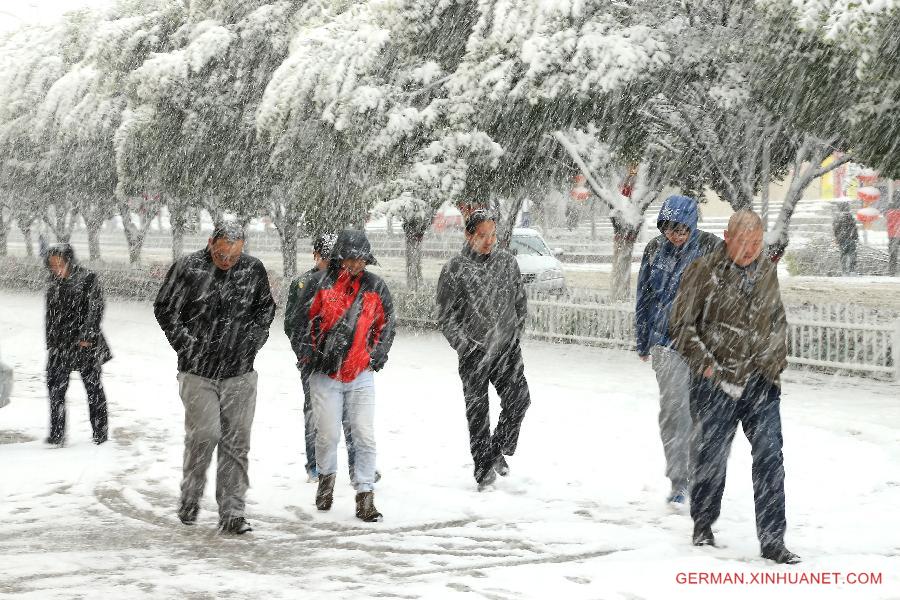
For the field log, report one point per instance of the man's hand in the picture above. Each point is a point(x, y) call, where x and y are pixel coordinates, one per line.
point(708, 372)
point(645, 358)
point(85, 344)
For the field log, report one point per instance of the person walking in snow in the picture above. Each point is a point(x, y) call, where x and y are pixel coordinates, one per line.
point(729, 323)
point(322, 247)
point(342, 333)
point(847, 236)
point(892, 216)
point(215, 307)
point(665, 259)
point(482, 308)
point(75, 342)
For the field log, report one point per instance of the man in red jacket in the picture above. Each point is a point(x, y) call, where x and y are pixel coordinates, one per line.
point(343, 333)
point(892, 214)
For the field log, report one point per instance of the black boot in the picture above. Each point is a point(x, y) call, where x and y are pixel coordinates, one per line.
point(487, 479)
point(187, 513)
point(703, 536)
point(325, 492)
point(365, 507)
point(100, 437)
point(234, 526)
point(778, 553)
point(501, 466)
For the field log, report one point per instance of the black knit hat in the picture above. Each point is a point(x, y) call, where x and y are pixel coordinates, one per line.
point(353, 243)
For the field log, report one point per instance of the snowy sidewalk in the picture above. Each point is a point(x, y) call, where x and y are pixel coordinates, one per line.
point(581, 516)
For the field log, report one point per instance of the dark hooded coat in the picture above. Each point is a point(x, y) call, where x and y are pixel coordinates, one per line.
point(74, 311)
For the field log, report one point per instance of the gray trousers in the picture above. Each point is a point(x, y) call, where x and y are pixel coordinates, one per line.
point(675, 425)
point(217, 413)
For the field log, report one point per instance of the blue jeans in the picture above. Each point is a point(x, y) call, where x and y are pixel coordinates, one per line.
point(716, 415)
point(309, 430)
point(335, 402)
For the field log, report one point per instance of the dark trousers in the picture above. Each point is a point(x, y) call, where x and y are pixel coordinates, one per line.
point(893, 256)
point(57, 384)
point(507, 373)
point(848, 260)
point(309, 431)
point(716, 415)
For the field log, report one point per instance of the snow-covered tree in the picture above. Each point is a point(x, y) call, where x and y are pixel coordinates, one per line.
point(859, 63)
point(192, 108)
point(31, 60)
point(367, 78)
point(83, 110)
point(741, 99)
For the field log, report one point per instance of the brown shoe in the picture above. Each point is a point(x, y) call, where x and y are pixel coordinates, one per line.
point(365, 507)
point(325, 492)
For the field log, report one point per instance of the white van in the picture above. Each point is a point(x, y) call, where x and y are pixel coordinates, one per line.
point(540, 268)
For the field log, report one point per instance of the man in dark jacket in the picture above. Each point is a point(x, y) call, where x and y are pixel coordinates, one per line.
point(342, 334)
point(322, 247)
point(482, 307)
point(847, 236)
point(74, 341)
point(665, 259)
point(729, 324)
point(215, 307)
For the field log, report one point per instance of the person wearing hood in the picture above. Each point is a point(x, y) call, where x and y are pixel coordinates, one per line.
point(482, 307)
point(215, 307)
point(342, 334)
point(322, 247)
point(665, 259)
point(75, 342)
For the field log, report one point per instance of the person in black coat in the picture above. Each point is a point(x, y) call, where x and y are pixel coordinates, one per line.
point(482, 307)
point(74, 341)
point(847, 237)
point(215, 307)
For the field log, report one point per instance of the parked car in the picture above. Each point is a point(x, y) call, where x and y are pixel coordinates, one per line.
point(540, 268)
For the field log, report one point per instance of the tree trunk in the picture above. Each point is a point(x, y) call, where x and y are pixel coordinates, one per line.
point(135, 235)
point(178, 223)
point(414, 232)
point(510, 223)
point(800, 180)
point(623, 247)
point(135, 245)
point(4, 232)
point(764, 188)
point(288, 233)
point(177, 242)
point(93, 235)
point(25, 227)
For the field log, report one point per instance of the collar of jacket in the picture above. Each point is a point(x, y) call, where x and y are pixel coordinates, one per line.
point(724, 264)
point(469, 253)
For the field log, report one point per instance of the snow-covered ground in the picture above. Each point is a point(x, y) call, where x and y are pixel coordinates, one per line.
point(581, 516)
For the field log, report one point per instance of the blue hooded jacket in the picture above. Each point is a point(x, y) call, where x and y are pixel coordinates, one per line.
point(662, 266)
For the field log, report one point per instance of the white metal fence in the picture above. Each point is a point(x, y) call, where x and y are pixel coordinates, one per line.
point(834, 336)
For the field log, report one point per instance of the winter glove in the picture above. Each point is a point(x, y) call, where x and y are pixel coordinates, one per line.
point(377, 363)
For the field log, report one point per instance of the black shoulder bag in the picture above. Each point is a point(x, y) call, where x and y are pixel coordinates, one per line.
point(330, 352)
